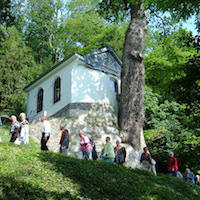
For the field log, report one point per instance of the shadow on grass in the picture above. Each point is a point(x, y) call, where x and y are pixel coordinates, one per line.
point(17, 190)
point(99, 180)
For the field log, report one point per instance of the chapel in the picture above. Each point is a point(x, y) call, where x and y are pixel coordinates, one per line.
point(78, 82)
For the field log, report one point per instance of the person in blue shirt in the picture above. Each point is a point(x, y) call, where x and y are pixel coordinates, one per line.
point(189, 176)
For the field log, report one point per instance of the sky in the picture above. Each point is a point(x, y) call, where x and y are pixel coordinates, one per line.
point(190, 25)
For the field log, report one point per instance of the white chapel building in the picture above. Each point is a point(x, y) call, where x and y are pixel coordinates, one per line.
point(76, 81)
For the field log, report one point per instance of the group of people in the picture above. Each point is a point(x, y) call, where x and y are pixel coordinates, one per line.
point(108, 154)
point(148, 163)
point(19, 130)
point(87, 145)
point(173, 170)
point(20, 135)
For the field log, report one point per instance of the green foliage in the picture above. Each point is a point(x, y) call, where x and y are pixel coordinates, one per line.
point(44, 30)
point(178, 9)
point(185, 144)
point(166, 130)
point(55, 29)
point(160, 114)
point(165, 60)
point(188, 86)
point(114, 10)
point(28, 173)
point(83, 22)
point(16, 66)
point(6, 16)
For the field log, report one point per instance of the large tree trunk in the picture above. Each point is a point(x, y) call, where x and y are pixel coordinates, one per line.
point(132, 95)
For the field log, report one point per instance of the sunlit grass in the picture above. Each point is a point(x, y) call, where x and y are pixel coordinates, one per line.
point(27, 173)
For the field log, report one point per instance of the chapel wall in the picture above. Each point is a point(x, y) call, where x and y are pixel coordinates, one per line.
point(97, 120)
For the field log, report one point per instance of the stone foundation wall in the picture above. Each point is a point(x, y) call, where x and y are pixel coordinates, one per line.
point(97, 121)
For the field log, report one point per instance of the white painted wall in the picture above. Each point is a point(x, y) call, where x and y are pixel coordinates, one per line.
point(47, 84)
point(78, 84)
point(91, 86)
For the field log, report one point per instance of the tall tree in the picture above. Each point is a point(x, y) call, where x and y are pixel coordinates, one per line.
point(132, 94)
point(16, 68)
point(132, 114)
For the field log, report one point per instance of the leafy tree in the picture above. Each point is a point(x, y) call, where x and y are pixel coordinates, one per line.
point(172, 70)
point(83, 22)
point(178, 9)
point(188, 86)
point(132, 115)
point(16, 68)
point(131, 107)
point(165, 60)
point(44, 30)
point(55, 29)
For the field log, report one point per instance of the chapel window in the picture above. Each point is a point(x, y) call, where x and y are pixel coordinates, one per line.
point(113, 85)
point(40, 100)
point(57, 90)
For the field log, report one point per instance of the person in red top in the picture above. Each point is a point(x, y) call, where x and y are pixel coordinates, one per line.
point(172, 165)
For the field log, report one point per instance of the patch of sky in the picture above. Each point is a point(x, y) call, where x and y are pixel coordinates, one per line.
point(190, 25)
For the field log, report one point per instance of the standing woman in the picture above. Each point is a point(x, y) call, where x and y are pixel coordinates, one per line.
point(172, 165)
point(120, 153)
point(108, 154)
point(145, 159)
point(24, 131)
point(86, 146)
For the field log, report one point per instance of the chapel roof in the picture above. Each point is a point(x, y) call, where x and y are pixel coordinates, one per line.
point(92, 60)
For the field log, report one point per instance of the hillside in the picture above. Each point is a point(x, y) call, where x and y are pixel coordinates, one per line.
point(27, 173)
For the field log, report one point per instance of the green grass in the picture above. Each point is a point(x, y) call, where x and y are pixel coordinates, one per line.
point(28, 173)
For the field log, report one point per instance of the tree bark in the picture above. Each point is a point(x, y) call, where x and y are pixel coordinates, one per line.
point(132, 95)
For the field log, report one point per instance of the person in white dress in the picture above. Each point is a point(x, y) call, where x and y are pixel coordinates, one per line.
point(23, 137)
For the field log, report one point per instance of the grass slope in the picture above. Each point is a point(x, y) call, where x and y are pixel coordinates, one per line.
point(27, 173)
